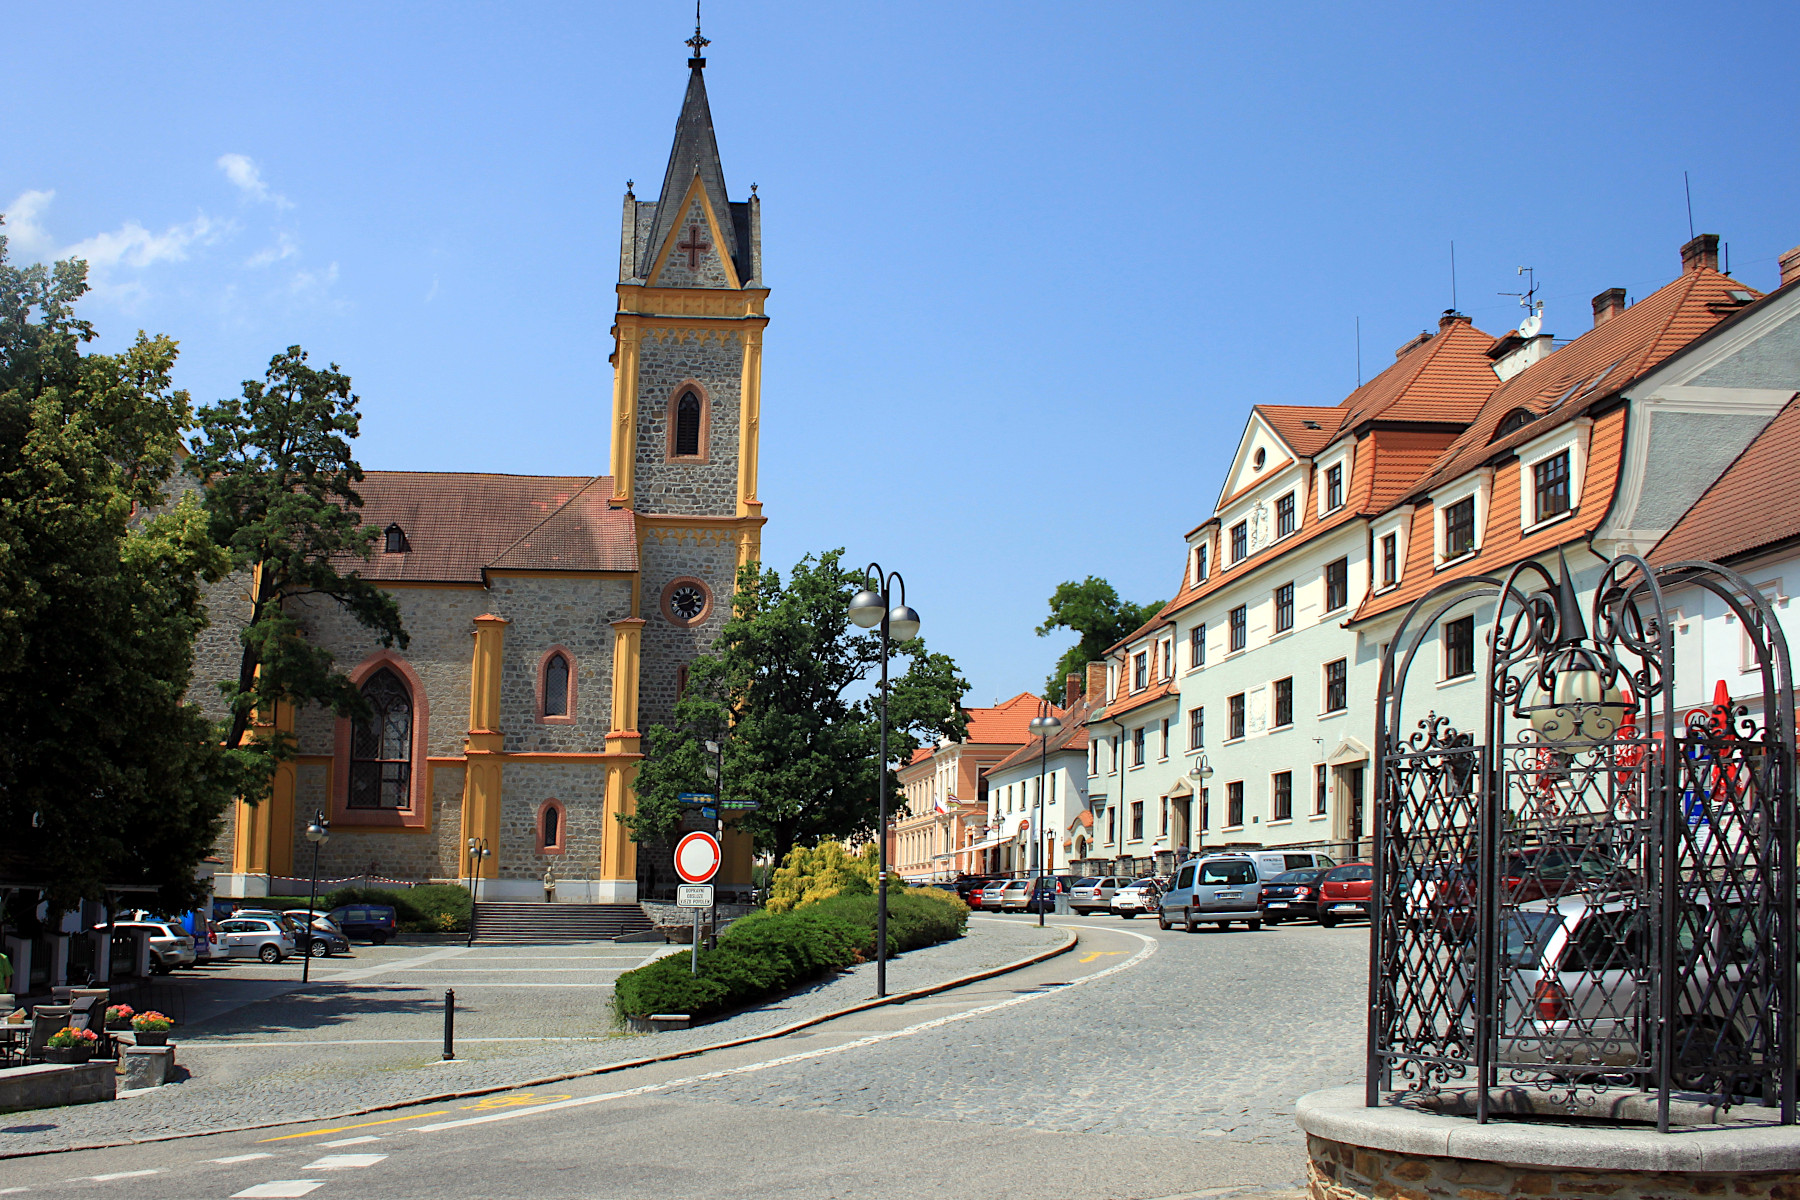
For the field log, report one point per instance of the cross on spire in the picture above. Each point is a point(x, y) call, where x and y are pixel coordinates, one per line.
point(699, 41)
point(694, 247)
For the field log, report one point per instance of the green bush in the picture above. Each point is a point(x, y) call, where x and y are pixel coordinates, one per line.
point(428, 908)
point(765, 954)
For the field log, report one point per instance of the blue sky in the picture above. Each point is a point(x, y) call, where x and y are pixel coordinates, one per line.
point(1031, 262)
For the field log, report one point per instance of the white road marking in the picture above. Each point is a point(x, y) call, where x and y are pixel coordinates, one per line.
point(224, 1045)
point(114, 1175)
point(279, 1189)
point(459, 970)
point(1150, 947)
point(334, 1162)
point(238, 1158)
point(12, 1191)
point(355, 1141)
point(400, 965)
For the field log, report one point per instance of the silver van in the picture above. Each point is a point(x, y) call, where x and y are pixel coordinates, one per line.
point(1223, 888)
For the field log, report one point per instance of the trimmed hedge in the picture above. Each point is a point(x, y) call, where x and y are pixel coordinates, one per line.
point(765, 954)
point(427, 908)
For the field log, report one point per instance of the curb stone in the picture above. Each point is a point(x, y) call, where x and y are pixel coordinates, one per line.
point(1067, 945)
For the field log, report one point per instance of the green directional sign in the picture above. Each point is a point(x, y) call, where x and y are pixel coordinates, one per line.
point(739, 805)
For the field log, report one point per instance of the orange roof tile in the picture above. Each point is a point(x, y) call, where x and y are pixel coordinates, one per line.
point(1008, 722)
point(1754, 505)
point(1072, 736)
point(1305, 428)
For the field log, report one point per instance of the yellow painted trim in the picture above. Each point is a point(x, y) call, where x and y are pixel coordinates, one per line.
point(481, 773)
point(644, 301)
point(749, 423)
point(624, 432)
point(712, 223)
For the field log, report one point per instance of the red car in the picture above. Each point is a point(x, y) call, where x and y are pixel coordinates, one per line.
point(1345, 892)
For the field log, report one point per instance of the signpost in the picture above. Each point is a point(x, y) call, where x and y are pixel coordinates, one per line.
point(697, 858)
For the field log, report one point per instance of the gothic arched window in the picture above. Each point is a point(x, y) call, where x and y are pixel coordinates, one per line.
point(381, 745)
point(552, 826)
point(556, 686)
point(687, 426)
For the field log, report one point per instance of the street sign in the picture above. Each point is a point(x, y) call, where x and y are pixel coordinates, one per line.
point(694, 799)
point(739, 805)
point(709, 813)
point(697, 857)
point(694, 895)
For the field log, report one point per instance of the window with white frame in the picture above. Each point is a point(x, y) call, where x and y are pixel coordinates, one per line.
point(1199, 564)
point(1196, 728)
point(1460, 514)
point(1321, 789)
point(1459, 528)
point(1459, 647)
point(1337, 584)
point(1284, 515)
point(1747, 660)
point(1240, 627)
point(1165, 739)
point(1140, 671)
point(1550, 487)
point(1281, 800)
point(1337, 685)
point(1284, 608)
point(1390, 559)
point(1550, 470)
point(1240, 541)
point(1234, 710)
point(1334, 487)
point(1197, 646)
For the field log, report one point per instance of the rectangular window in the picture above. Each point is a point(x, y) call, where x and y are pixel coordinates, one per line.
point(1094, 757)
point(1196, 728)
point(1165, 738)
point(1205, 809)
point(1137, 746)
point(1321, 789)
point(1459, 647)
point(1283, 796)
point(1140, 671)
point(1390, 559)
point(1552, 479)
point(1197, 646)
point(1234, 717)
point(1334, 487)
point(1284, 608)
point(1284, 701)
point(1459, 528)
point(1137, 820)
point(1284, 515)
point(1168, 658)
point(1337, 584)
point(1240, 627)
point(1165, 818)
point(1337, 685)
point(1199, 562)
point(1234, 803)
point(1112, 826)
point(1240, 541)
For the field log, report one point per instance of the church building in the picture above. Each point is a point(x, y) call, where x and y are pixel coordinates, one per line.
point(550, 617)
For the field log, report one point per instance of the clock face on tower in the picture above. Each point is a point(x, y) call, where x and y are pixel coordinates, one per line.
point(686, 602)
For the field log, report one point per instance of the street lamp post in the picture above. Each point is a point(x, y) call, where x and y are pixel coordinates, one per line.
point(318, 833)
point(1201, 772)
point(1043, 725)
point(870, 607)
point(717, 750)
point(478, 850)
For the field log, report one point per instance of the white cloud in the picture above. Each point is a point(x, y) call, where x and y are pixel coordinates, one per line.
point(132, 245)
point(243, 172)
point(313, 281)
point(284, 247)
point(25, 234)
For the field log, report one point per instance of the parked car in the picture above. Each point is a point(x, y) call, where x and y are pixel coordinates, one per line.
point(1095, 893)
point(1015, 895)
point(171, 946)
point(207, 947)
point(1291, 895)
point(257, 937)
point(1043, 897)
point(988, 898)
point(1346, 892)
point(374, 923)
point(1218, 890)
point(1138, 896)
point(326, 939)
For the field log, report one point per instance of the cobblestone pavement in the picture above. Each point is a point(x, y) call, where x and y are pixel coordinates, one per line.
point(1214, 1036)
point(368, 1031)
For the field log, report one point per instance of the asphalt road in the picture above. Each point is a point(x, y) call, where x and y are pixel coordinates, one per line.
point(1142, 1064)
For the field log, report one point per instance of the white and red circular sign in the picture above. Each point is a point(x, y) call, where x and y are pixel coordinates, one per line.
point(697, 857)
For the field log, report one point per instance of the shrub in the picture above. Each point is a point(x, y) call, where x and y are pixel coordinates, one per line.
point(428, 908)
point(813, 873)
point(767, 953)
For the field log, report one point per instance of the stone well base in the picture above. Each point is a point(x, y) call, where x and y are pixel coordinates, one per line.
point(1394, 1153)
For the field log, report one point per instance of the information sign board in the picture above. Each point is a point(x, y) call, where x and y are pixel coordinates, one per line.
point(694, 895)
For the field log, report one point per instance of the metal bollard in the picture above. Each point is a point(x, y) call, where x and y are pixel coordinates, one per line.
point(449, 1024)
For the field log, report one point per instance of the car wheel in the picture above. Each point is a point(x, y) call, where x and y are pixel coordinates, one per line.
point(270, 954)
point(378, 939)
point(319, 949)
point(1128, 915)
point(1187, 918)
point(1162, 920)
point(1328, 922)
point(1253, 926)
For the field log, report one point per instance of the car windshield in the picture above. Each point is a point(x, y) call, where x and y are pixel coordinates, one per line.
point(1090, 881)
point(1350, 873)
point(1294, 877)
point(1226, 872)
point(1523, 935)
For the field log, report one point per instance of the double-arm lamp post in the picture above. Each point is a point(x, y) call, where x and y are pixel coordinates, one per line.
point(318, 833)
point(478, 850)
point(1042, 727)
point(873, 606)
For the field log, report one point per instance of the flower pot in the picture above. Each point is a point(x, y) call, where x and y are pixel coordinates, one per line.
point(119, 1026)
point(151, 1037)
point(67, 1055)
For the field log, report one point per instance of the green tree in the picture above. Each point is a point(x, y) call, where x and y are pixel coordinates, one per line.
point(107, 774)
point(786, 691)
point(281, 497)
point(1093, 610)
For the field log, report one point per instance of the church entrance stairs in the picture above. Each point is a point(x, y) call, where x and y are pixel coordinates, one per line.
point(500, 921)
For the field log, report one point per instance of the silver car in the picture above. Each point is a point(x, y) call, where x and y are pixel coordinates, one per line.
point(1015, 895)
point(170, 945)
point(256, 937)
point(1095, 893)
point(1217, 890)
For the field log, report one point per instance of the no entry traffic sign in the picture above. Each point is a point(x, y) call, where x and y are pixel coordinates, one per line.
point(697, 857)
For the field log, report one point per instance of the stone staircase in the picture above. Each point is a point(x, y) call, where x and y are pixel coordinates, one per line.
point(527, 922)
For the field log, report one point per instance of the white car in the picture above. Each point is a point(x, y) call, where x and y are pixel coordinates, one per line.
point(170, 944)
point(1139, 897)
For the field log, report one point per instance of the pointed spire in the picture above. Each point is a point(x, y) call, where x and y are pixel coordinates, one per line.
point(1570, 628)
point(695, 152)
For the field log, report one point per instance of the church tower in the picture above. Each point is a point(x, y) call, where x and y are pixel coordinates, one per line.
point(687, 396)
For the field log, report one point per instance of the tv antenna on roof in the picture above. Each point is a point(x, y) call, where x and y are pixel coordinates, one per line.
point(1534, 308)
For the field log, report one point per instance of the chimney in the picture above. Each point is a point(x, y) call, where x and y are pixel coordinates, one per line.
point(1452, 317)
point(1703, 251)
point(1607, 305)
point(1790, 266)
point(1071, 690)
point(1096, 682)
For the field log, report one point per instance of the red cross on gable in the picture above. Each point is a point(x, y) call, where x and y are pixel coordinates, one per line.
point(694, 247)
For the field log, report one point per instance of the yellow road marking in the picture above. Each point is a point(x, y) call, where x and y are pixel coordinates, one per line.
point(514, 1101)
point(1091, 955)
point(364, 1125)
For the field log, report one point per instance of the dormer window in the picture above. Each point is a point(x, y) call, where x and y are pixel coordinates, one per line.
point(1514, 421)
point(1334, 487)
point(394, 540)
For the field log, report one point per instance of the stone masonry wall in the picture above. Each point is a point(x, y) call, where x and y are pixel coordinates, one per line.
point(1337, 1171)
point(666, 359)
point(669, 554)
point(577, 614)
point(581, 787)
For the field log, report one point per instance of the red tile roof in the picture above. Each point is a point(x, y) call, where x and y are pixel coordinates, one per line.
point(1754, 505)
point(459, 525)
point(1072, 736)
point(1305, 428)
point(1008, 722)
